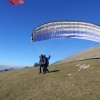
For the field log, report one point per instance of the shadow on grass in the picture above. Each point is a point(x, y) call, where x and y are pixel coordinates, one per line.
point(54, 71)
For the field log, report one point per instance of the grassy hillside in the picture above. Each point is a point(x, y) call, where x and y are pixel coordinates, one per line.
point(64, 82)
point(93, 52)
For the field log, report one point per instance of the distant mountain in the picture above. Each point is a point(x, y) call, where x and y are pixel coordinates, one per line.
point(2, 67)
point(93, 52)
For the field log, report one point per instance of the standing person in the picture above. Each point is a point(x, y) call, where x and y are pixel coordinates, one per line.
point(42, 64)
point(47, 62)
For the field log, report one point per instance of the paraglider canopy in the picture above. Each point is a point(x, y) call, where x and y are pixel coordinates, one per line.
point(16, 2)
point(66, 29)
point(54, 36)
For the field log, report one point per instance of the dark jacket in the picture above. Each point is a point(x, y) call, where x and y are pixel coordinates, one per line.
point(42, 61)
point(47, 61)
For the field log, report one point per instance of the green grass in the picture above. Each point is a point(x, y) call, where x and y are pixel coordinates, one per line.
point(27, 84)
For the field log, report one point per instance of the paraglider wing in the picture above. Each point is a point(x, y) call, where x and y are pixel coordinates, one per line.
point(16, 2)
point(67, 29)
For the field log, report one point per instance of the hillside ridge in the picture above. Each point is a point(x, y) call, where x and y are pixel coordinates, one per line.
point(93, 52)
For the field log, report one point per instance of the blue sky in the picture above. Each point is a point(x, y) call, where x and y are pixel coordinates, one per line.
point(18, 22)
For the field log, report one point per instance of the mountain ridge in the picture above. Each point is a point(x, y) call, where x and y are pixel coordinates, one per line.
point(93, 52)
